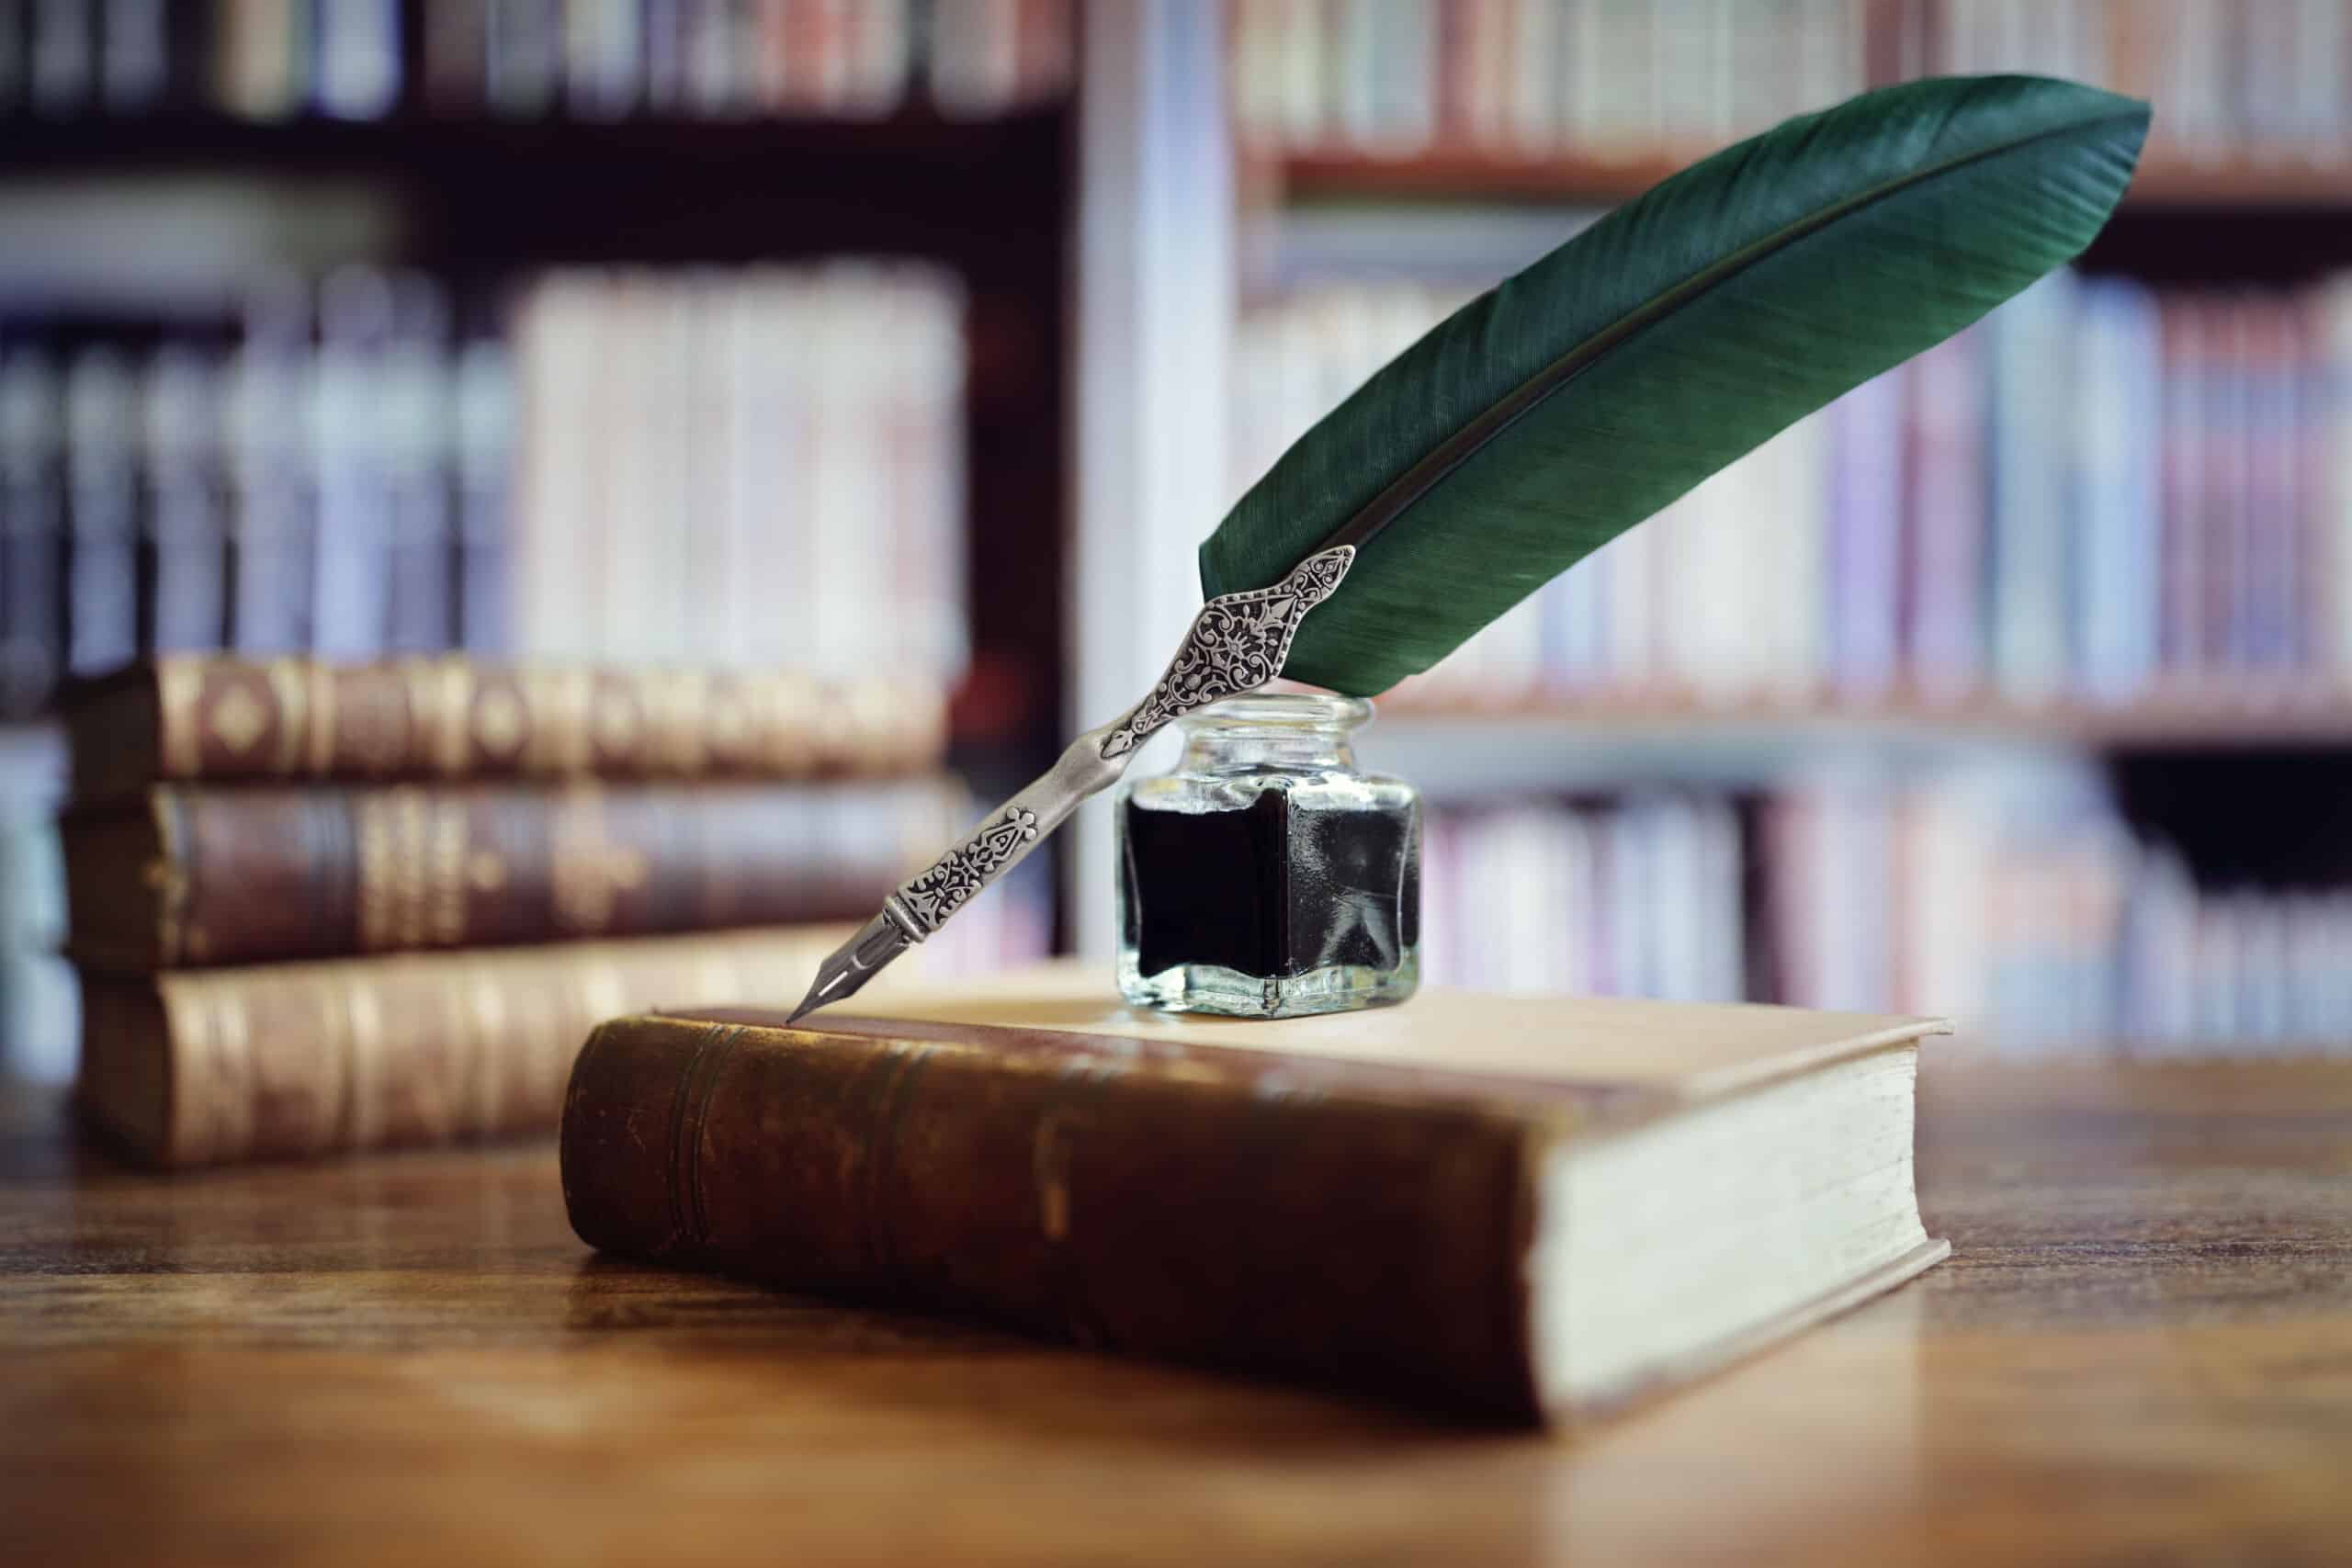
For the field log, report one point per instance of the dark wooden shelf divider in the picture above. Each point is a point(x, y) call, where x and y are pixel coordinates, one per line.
point(2165, 180)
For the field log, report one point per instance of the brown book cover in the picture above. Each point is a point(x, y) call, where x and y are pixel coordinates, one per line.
point(1517, 1206)
point(203, 875)
point(182, 719)
point(291, 1060)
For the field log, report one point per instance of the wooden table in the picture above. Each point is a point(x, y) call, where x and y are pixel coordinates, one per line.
point(2142, 1350)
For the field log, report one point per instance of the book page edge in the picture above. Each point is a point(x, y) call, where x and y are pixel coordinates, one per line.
point(1726, 1352)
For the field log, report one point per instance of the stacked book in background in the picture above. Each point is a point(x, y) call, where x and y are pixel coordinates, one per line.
point(319, 908)
point(366, 60)
point(328, 471)
point(1665, 79)
point(2101, 494)
point(2012, 900)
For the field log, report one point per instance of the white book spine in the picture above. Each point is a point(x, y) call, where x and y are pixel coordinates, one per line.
point(358, 52)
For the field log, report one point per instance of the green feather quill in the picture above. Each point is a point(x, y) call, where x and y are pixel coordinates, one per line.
point(1579, 397)
point(1547, 417)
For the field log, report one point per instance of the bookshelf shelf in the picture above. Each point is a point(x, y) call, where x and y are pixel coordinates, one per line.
point(2165, 181)
point(101, 144)
point(2218, 719)
point(1559, 744)
point(492, 191)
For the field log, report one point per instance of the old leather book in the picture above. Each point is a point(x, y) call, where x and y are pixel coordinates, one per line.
point(200, 875)
point(211, 1066)
point(184, 718)
point(1519, 1206)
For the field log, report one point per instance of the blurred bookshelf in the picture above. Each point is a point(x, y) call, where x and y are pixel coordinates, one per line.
point(1167, 239)
point(619, 331)
point(2055, 751)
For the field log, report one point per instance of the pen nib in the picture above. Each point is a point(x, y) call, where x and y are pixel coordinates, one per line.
point(847, 969)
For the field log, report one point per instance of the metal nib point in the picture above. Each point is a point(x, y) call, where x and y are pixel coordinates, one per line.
point(845, 972)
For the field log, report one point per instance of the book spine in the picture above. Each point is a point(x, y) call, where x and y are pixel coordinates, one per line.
point(1947, 505)
point(2181, 524)
point(352, 558)
point(225, 718)
point(419, 452)
point(271, 409)
point(298, 1060)
point(482, 410)
point(246, 875)
point(1865, 554)
point(1078, 1189)
point(32, 531)
point(102, 489)
point(185, 514)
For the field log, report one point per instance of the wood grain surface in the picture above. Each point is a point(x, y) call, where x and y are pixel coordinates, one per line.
point(2140, 1351)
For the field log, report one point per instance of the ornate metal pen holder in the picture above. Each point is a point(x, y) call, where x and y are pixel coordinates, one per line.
point(1236, 644)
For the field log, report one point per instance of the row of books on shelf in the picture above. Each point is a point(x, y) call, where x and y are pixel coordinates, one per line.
point(330, 469)
point(1632, 77)
point(1392, 77)
point(317, 906)
point(759, 468)
point(2022, 908)
point(2098, 492)
point(763, 468)
point(604, 59)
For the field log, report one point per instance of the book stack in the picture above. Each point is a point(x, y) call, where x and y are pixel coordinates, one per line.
point(1636, 79)
point(323, 907)
point(2015, 900)
point(366, 60)
point(2101, 494)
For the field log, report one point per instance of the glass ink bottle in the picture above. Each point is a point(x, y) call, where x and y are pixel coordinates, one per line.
point(1264, 877)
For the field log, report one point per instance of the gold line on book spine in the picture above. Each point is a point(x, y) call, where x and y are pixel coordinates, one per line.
point(453, 709)
point(575, 734)
point(376, 855)
point(189, 1067)
point(677, 703)
point(409, 742)
point(288, 693)
point(363, 1049)
point(411, 874)
point(446, 877)
point(179, 715)
point(238, 1105)
point(485, 1020)
point(534, 685)
point(166, 876)
point(618, 725)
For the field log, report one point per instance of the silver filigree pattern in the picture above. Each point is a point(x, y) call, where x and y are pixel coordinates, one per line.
point(930, 898)
point(1237, 643)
